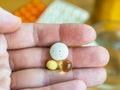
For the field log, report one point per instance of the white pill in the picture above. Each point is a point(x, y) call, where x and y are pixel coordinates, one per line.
point(59, 51)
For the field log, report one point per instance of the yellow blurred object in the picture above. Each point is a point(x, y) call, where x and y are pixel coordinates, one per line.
point(52, 65)
point(31, 11)
point(107, 10)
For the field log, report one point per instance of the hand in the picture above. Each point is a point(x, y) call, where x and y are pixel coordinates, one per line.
point(28, 50)
point(8, 23)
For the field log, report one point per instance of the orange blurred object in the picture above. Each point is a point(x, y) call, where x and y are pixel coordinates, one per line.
point(31, 11)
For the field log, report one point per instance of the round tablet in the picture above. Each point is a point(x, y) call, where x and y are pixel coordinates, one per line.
point(52, 65)
point(59, 51)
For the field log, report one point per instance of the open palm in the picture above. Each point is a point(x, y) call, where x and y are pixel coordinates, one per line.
point(23, 55)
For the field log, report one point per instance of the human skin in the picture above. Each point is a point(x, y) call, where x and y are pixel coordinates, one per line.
point(24, 50)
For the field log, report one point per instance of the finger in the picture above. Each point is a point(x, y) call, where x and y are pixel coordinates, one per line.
point(69, 85)
point(37, 57)
point(46, 34)
point(4, 65)
point(41, 77)
point(8, 22)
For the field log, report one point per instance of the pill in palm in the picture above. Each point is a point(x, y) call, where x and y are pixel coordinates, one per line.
point(59, 51)
point(65, 65)
point(52, 65)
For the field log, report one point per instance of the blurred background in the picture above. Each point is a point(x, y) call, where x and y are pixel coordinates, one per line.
point(103, 15)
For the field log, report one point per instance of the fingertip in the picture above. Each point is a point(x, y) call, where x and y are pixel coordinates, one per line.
point(104, 75)
point(77, 34)
point(90, 33)
point(107, 56)
point(8, 22)
point(103, 56)
point(101, 76)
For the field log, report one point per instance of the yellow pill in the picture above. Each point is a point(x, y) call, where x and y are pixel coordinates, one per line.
point(52, 65)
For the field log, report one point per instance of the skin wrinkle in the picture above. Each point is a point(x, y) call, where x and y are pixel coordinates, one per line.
point(10, 40)
point(39, 30)
point(15, 81)
point(41, 57)
point(44, 35)
point(35, 35)
point(12, 65)
point(44, 76)
point(43, 82)
point(75, 74)
point(48, 78)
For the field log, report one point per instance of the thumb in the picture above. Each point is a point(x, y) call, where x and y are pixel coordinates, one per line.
point(8, 22)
